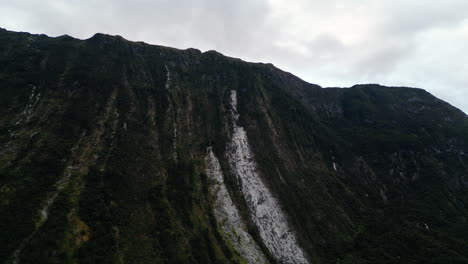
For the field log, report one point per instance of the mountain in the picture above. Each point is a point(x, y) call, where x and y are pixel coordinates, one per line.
point(114, 151)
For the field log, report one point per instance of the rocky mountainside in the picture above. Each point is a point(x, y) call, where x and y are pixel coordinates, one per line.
point(114, 151)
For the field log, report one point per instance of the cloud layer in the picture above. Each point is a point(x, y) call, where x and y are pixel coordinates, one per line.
point(332, 43)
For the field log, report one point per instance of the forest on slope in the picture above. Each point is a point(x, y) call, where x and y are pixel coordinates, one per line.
point(105, 149)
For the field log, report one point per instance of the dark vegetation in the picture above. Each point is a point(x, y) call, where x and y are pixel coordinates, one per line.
point(368, 174)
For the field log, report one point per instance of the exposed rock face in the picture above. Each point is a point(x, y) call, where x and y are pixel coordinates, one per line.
point(228, 216)
point(264, 209)
point(120, 152)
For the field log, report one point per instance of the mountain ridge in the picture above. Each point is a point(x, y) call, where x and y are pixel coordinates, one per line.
point(195, 50)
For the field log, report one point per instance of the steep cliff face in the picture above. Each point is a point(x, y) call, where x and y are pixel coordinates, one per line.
point(120, 152)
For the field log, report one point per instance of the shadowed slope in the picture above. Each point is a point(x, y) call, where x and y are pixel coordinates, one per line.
point(103, 158)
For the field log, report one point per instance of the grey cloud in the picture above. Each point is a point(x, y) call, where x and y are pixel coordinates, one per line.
point(327, 47)
point(409, 17)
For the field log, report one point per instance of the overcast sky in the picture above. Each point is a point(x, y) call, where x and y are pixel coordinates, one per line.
point(339, 43)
